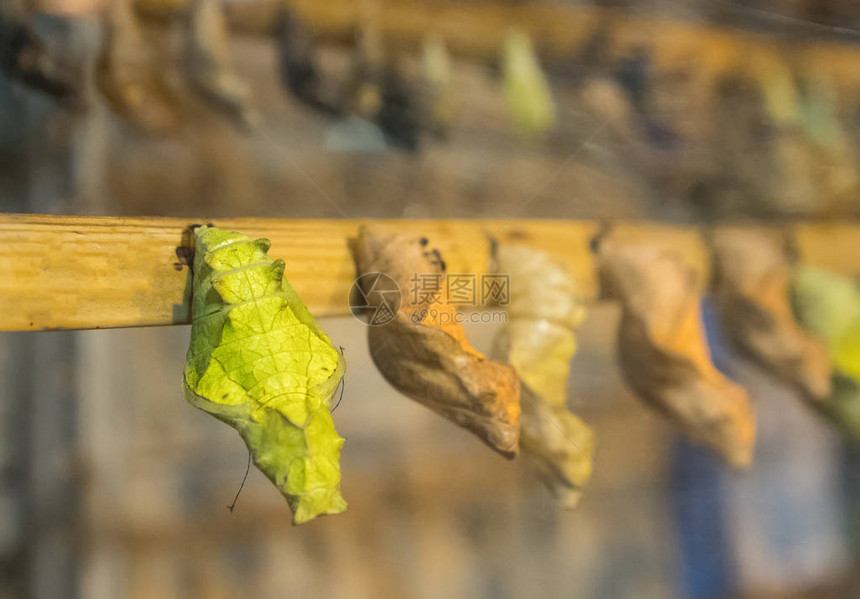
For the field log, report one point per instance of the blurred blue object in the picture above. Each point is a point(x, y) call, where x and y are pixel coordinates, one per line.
point(851, 493)
point(698, 491)
point(776, 529)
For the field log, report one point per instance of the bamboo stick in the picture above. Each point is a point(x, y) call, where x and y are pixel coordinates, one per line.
point(62, 272)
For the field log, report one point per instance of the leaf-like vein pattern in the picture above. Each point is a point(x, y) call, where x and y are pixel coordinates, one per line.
point(259, 362)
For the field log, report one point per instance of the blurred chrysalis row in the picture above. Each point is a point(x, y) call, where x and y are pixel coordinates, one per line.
point(378, 103)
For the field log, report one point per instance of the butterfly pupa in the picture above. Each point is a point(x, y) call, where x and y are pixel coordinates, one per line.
point(208, 66)
point(538, 340)
point(527, 91)
point(422, 349)
point(26, 57)
point(134, 86)
point(828, 306)
point(751, 275)
point(259, 362)
point(662, 350)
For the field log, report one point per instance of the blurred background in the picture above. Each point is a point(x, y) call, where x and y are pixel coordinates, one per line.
point(685, 111)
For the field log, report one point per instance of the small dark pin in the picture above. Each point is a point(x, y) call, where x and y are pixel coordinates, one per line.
point(596, 241)
point(493, 243)
point(435, 258)
point(185, 255)
point(423, 241)
point(438, 261)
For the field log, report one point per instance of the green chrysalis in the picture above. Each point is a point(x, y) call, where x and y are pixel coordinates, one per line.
point(259, 362)
point(527, 89)
point(828, 306)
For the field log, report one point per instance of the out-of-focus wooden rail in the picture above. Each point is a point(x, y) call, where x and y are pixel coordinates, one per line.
point(62, 272)
point(477, 30)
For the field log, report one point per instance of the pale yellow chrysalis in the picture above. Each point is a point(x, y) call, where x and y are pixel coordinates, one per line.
point(527, 90)
point(538, 340)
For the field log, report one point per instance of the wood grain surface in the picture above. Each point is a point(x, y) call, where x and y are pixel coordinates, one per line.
point(63, 272)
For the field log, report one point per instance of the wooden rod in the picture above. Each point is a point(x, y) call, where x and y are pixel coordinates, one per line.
point(64, 272)
point(477, 30)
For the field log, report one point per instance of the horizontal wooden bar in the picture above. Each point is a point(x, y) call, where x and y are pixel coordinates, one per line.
point(477, 30)
point(64, 272)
